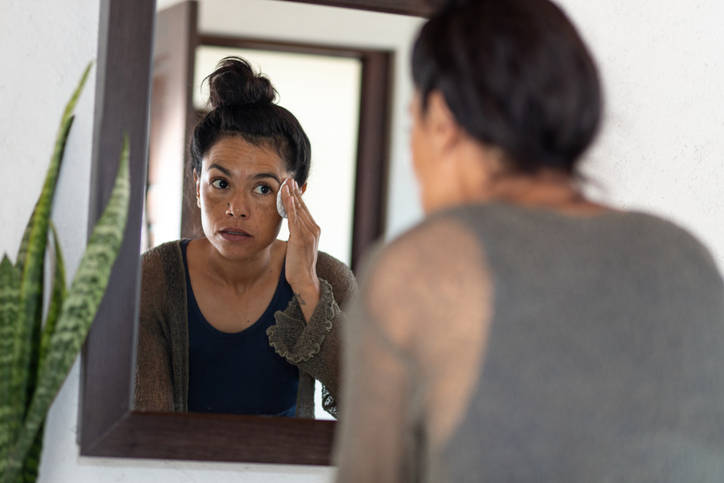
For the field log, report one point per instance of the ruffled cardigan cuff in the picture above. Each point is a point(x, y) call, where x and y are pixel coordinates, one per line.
point(296, 341)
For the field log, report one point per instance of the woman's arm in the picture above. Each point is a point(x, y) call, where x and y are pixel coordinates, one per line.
point(314, 345)
point(307, 333)
point(375, 438)
point(154, 386)
point(413, 348)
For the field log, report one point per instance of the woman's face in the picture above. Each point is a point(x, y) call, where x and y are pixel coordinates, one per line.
point(237, 191)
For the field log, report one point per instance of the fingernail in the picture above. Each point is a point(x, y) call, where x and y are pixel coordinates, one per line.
point(285, 188)
point(296, 186)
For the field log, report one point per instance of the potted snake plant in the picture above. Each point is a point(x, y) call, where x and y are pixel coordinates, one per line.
point(36, 352)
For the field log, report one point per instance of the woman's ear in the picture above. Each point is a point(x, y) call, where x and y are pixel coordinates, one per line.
point(443, 126)
point(303, 187)
point(197, 182)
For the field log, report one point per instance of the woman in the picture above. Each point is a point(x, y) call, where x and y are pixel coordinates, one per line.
point(522, 333)
point(238, 321)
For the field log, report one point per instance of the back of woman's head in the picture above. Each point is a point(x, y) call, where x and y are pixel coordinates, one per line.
point(242, 104)
point(516, 75)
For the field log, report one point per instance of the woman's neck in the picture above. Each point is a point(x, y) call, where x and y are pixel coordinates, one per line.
point(474, 173)
point(240, 274)
point(549, 189)
point(544, 188)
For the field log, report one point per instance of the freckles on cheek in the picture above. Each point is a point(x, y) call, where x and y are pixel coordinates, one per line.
point(212, 207)
point(267, 213)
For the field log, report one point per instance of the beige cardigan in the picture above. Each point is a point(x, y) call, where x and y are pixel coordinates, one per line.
point(162, 355)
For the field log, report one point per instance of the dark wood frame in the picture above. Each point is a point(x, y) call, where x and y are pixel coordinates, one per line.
point(107, 424)
point(420, 8)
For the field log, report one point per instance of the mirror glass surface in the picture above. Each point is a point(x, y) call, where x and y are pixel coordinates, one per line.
point(323, 92)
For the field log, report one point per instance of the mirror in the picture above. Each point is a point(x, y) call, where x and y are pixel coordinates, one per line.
point(109, 426)
point(323, 92)
point(322, 85)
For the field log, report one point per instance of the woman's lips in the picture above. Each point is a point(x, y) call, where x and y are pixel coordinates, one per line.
point(234, 235)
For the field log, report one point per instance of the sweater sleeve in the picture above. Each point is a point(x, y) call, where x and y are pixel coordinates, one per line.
point(154, 387)
point(314, 347)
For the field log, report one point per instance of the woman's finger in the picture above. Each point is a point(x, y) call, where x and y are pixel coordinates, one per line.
point(292, 213)
point(291, 207)
point(303, 212)
point(296, 214)
point(298, 230)
point(287, 195)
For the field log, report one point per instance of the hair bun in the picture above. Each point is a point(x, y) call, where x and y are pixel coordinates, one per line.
point(234, 83)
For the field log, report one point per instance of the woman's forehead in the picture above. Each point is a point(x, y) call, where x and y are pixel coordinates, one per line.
point(235, 156)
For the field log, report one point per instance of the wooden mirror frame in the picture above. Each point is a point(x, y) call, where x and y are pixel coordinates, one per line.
point(107, 424)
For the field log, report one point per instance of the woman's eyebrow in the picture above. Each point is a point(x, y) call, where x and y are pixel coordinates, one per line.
point(267, 175)
point(220, 168)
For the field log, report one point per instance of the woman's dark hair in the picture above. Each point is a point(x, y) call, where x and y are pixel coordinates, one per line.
point(516, 75)
point(242, 104)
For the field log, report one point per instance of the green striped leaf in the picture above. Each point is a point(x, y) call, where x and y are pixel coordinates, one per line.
point(27, 334)
point(31, 466)
point(70, 107)
point(78, 311)
point(32, 259)
point(23, 251)
point(56, 299)
point(65, 122)
point(9, 297)
point(32, 460)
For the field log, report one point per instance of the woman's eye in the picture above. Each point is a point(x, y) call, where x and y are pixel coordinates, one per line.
point(220, 184)
point(262, 189)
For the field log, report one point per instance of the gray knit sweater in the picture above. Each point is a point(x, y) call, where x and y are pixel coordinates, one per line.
point(503, 343)
point(162, 355)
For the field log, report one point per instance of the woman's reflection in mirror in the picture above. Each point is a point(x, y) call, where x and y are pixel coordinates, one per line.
point(238, 321)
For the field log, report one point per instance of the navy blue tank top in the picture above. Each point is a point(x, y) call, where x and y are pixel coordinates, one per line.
point(239, 372)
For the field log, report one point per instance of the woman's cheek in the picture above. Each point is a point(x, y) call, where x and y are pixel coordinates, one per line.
point(213, 196)
point(266, 206)
point(212, 203)
point(268, 219)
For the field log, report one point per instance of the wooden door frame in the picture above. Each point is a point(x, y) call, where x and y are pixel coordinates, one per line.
point(107, 424)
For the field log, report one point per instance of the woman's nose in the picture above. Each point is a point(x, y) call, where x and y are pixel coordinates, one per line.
point(237, 208)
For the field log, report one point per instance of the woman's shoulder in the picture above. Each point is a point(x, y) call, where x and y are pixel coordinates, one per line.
point(423, 257)
point(162, 259)
point(163, 276)
point(163, 250)
point(439, 233)
point(676, 243)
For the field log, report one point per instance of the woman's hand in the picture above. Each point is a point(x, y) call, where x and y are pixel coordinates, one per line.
point(301, 261)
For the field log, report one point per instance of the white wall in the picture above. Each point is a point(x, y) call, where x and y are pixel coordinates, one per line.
point(661, 148)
